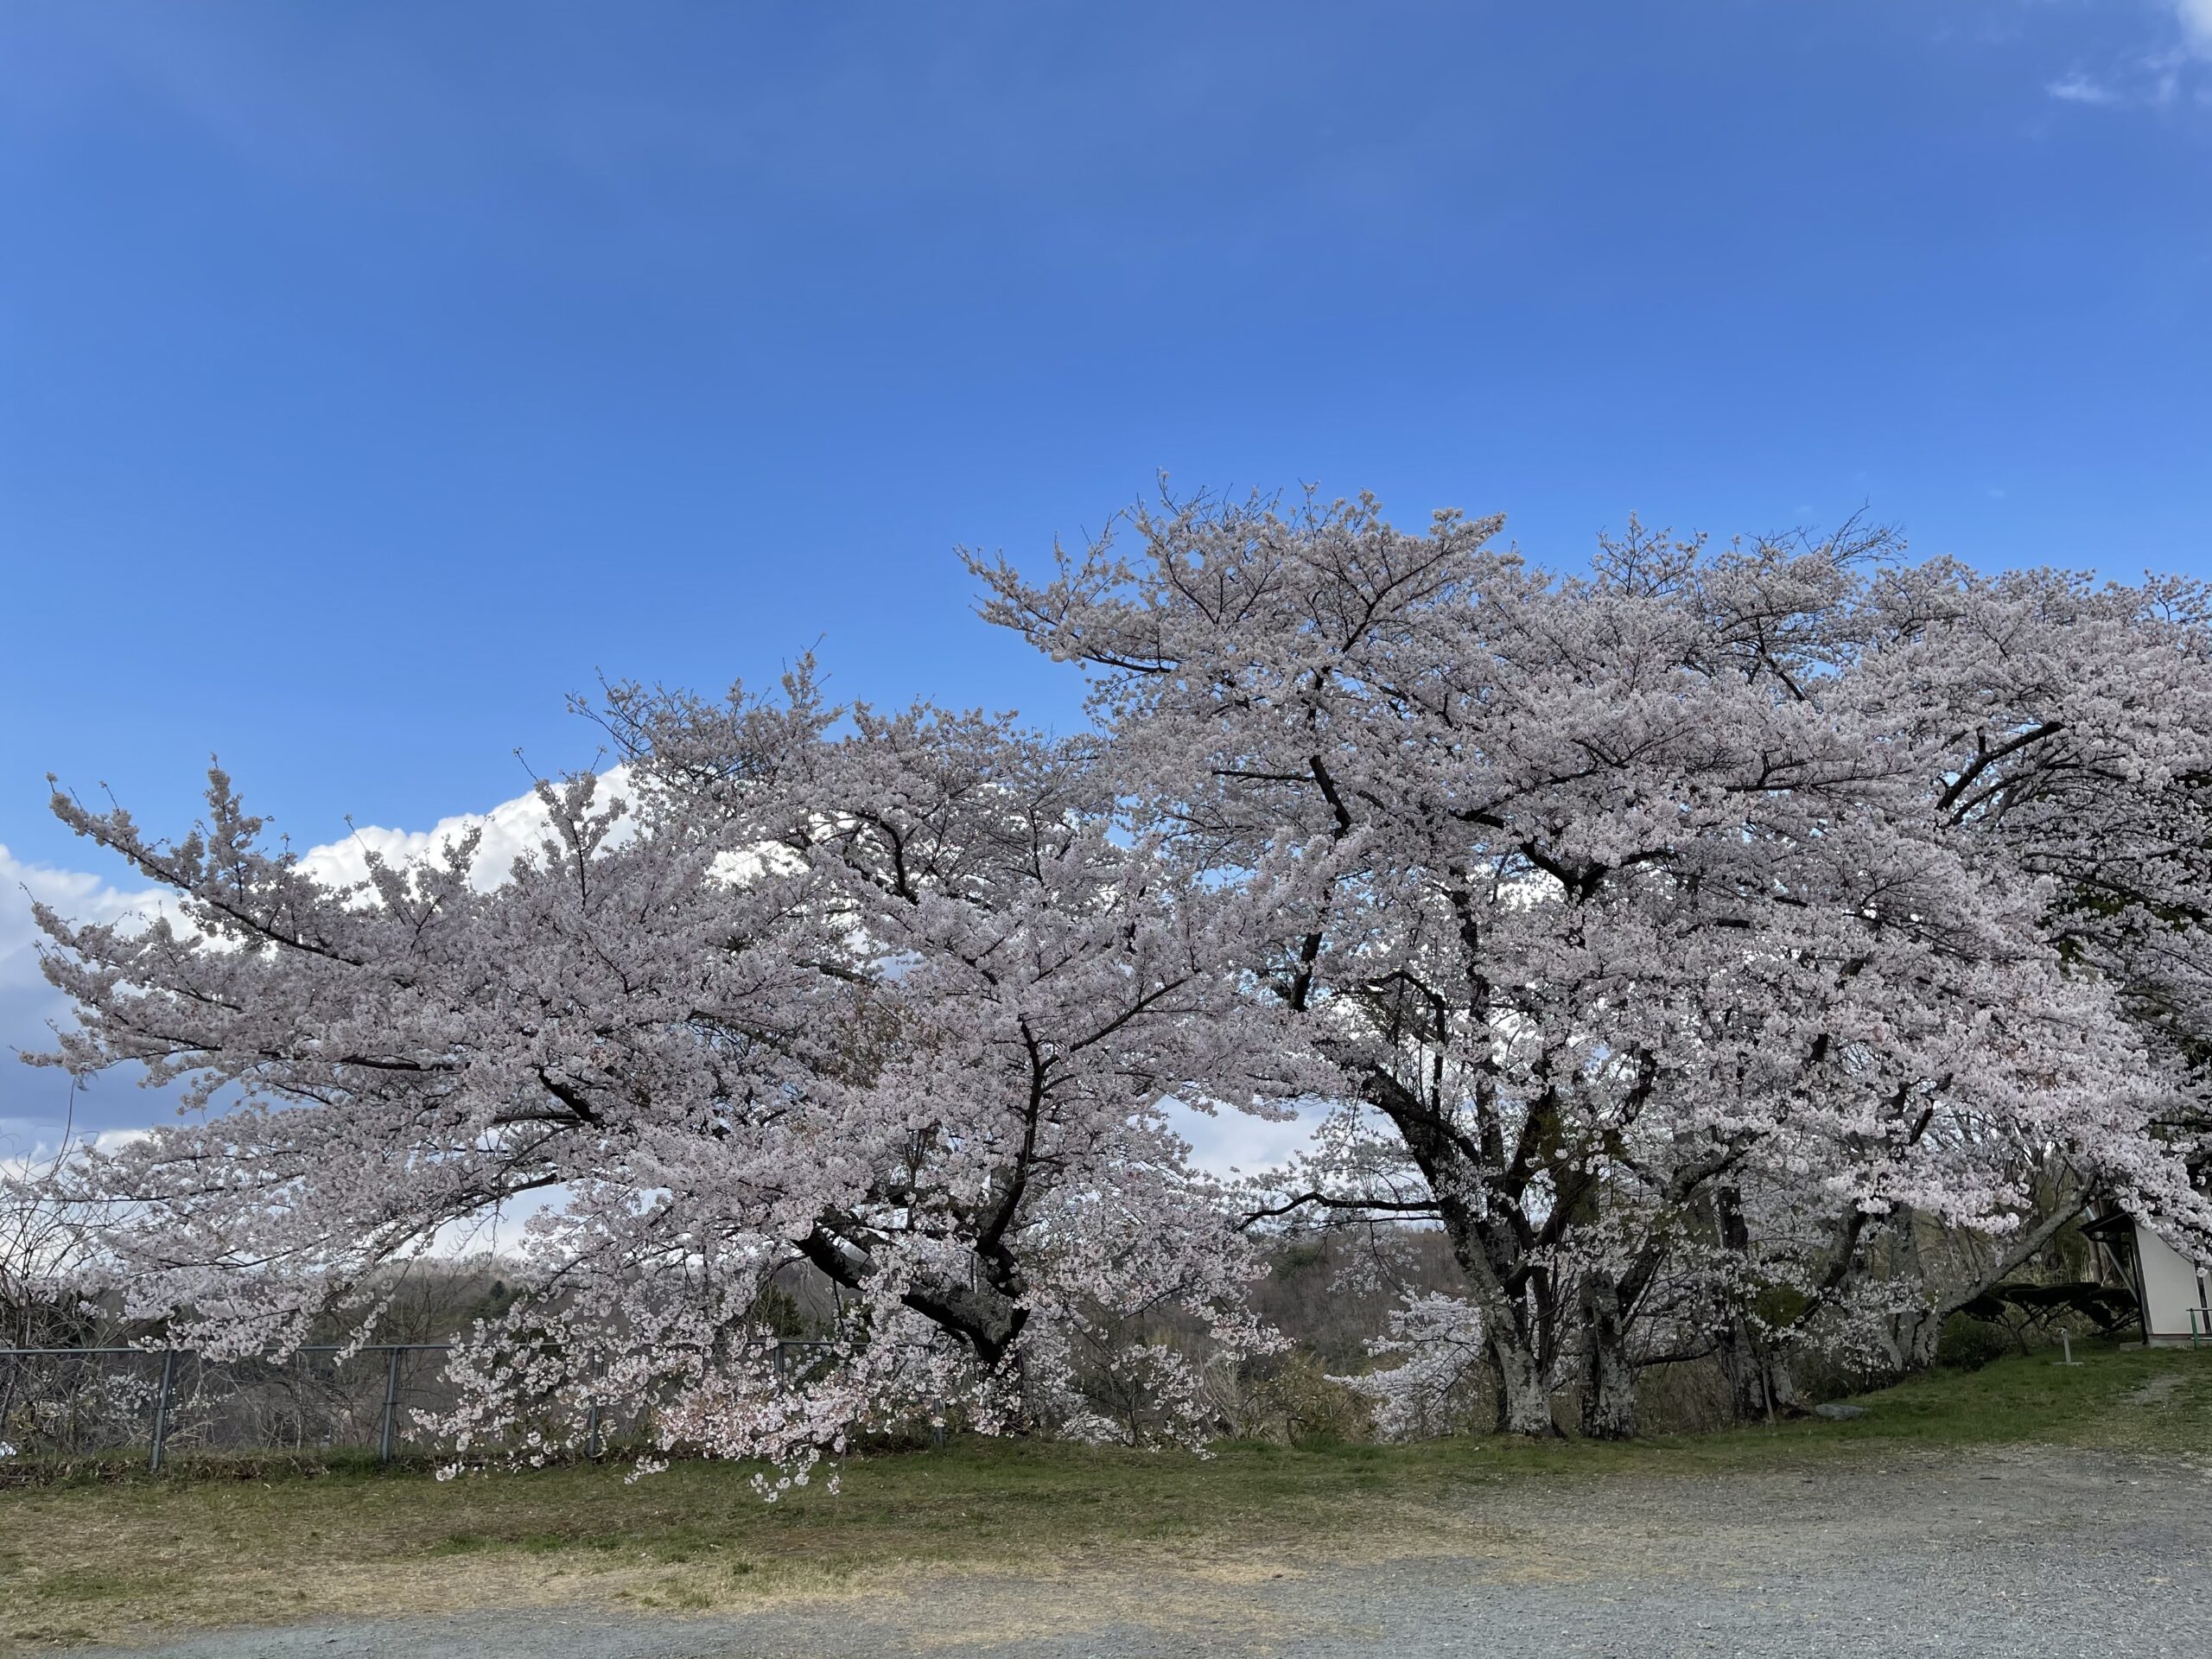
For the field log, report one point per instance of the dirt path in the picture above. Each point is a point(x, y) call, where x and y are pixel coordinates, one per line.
point(2006, 1553)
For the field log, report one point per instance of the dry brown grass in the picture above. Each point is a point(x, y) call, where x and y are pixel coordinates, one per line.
point(136, 1558)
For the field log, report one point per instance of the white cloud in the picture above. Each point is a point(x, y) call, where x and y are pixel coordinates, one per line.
point(81, 896)
point(36, 1104)
point(28, 1159)
point(2080, 89)
point(509, 830)
point(2154, 78)
point(1227, 1141)
point(2195, 19)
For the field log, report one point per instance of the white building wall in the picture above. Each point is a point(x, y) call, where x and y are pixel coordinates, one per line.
point(2172, 1286)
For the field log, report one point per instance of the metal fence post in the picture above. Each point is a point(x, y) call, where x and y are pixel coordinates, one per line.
point(391, 1405)
point(161, 1410)
point(591, 1431)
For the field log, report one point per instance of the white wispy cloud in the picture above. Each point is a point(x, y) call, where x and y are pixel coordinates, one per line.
point(2080, 89)
point(2195, 19)
point(2149, 76)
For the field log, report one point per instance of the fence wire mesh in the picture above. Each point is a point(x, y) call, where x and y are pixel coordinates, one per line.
point(65, 1403)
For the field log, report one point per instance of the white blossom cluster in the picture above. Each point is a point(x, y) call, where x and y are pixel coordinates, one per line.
point(1688, 936)
point(894, 1002)
point(1685, 939)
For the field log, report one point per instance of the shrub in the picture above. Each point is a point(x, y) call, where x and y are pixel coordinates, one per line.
point(1968, 1344)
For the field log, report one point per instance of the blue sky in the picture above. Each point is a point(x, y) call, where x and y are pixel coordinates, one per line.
point(373, 376)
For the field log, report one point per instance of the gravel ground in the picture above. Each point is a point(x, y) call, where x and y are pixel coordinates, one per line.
point(2014, 1553)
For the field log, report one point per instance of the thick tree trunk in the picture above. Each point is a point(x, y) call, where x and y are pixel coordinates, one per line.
point(1608, 1378)
point(1916, 1336)
point(1760, 1386)
point(981, 1313)
point(1490, 1252)
point(1524, 1403)
point(1524, 1406)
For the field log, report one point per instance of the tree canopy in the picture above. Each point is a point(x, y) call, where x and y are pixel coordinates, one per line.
point(1701, 941)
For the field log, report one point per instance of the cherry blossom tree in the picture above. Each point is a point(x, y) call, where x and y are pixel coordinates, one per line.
point(1732, 950)
point(876, 993)
point(2069, 730)
point(1715, 888)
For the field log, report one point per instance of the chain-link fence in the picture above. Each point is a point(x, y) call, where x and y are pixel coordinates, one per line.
point(60, 1404)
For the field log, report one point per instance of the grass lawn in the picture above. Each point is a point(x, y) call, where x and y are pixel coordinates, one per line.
point(134, 1559)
